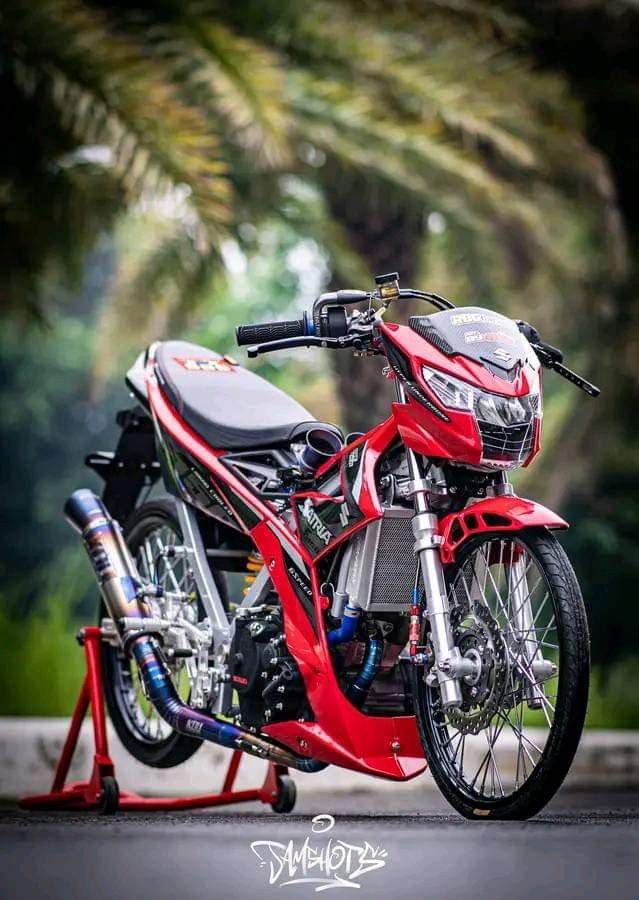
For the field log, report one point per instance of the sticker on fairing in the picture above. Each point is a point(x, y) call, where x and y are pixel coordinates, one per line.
point(487, 337)
point(193, 364)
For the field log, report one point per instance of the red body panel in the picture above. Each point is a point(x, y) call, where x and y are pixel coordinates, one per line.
point(341, 734)
point(374, 443)
point(421, 352)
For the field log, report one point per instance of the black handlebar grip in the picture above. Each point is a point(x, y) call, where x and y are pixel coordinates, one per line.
point(270, 331)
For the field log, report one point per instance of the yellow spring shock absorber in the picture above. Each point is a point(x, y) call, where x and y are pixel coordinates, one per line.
point(253, 565)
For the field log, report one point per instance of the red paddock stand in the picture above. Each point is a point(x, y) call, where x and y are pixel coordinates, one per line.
point(101, 791)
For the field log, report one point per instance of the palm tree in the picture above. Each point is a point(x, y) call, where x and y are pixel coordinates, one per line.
point(392, 111)
point(384, 104)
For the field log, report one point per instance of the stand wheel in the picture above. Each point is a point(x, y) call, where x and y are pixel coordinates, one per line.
point(111, 796)
point(286, 795)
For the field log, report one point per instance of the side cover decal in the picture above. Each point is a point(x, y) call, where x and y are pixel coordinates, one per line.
point(189, 480)
point(298, 576)
point(352, 473)
point(320, 521)
point(322, 518)
point(246, 514)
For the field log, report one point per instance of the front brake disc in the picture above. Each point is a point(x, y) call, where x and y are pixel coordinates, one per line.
point(482, 700)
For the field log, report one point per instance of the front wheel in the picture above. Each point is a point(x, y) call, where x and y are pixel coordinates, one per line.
point(517, 611)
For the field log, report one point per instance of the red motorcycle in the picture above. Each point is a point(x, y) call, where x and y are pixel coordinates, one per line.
point(380, 602)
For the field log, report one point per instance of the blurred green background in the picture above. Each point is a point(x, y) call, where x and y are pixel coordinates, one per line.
point(178, 167)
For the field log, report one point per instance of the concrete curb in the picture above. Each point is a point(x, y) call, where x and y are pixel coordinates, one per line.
point(29, 748)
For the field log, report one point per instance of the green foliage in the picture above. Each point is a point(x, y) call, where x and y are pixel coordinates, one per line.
point(207, 106)
point(48, 426)
point(614, 700)
point(41, 666)
point(603, 545)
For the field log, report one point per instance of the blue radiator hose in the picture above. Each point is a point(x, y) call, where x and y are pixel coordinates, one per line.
point(346, 630)
point(359, 688)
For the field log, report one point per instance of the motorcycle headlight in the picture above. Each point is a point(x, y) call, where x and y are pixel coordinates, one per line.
point(505, 423)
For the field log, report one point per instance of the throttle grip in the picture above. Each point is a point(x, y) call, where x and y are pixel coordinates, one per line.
point(270, 331)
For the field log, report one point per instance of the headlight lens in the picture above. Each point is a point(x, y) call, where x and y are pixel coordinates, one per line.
point(505, 423)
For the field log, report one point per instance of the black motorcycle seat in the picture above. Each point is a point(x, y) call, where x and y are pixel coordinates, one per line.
point(228, 406)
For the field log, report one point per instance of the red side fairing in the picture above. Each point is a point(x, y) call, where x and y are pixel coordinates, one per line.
point(357, 503)
point(340, 734)
point(421, 352)
point(453, 434)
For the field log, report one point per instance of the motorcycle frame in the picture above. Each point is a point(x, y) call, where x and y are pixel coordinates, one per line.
point(340, 734)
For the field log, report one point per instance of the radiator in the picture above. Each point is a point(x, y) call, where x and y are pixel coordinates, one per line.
point(382, 566)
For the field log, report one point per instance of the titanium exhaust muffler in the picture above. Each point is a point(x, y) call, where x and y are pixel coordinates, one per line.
point(122, 590)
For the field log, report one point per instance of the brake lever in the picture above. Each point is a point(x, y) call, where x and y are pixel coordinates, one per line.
point(337, 343)
point(591, 389)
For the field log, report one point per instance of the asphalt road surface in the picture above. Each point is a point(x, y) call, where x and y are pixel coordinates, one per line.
point(582, 845)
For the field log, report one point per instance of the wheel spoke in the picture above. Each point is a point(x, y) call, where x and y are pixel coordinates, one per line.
point(140, 716)
point(493, 588)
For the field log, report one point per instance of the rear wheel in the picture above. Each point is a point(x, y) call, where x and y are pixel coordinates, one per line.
point(517, 609)
point(147, 737)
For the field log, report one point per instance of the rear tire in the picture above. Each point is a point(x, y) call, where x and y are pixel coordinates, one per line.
point(175, 748)
point(569, 708)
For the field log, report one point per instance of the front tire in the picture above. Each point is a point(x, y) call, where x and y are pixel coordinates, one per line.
point(542, 740)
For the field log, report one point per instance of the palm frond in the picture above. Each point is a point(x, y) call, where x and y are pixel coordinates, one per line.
point(154, 291)
point(108, 94)
point(235, 81)
point(407, 156)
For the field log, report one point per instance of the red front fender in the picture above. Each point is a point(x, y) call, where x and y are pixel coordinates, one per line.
point(493, 514)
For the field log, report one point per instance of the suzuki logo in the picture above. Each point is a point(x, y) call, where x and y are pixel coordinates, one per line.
point(504, 355)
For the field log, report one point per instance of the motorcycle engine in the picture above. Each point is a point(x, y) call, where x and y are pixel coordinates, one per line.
point(263, 673)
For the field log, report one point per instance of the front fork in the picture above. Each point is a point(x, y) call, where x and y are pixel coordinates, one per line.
point(451, 666)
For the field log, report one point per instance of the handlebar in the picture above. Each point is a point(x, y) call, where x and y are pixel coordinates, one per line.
point(329, 326)
point(327, 319)
point(273, 331)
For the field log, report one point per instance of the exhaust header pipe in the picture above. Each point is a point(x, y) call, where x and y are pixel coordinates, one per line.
point(121, 589)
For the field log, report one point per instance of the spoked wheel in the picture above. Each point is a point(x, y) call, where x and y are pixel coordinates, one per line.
point(517, 612)
point(152, 528)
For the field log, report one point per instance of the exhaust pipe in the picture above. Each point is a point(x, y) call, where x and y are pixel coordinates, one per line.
point(121, 589)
